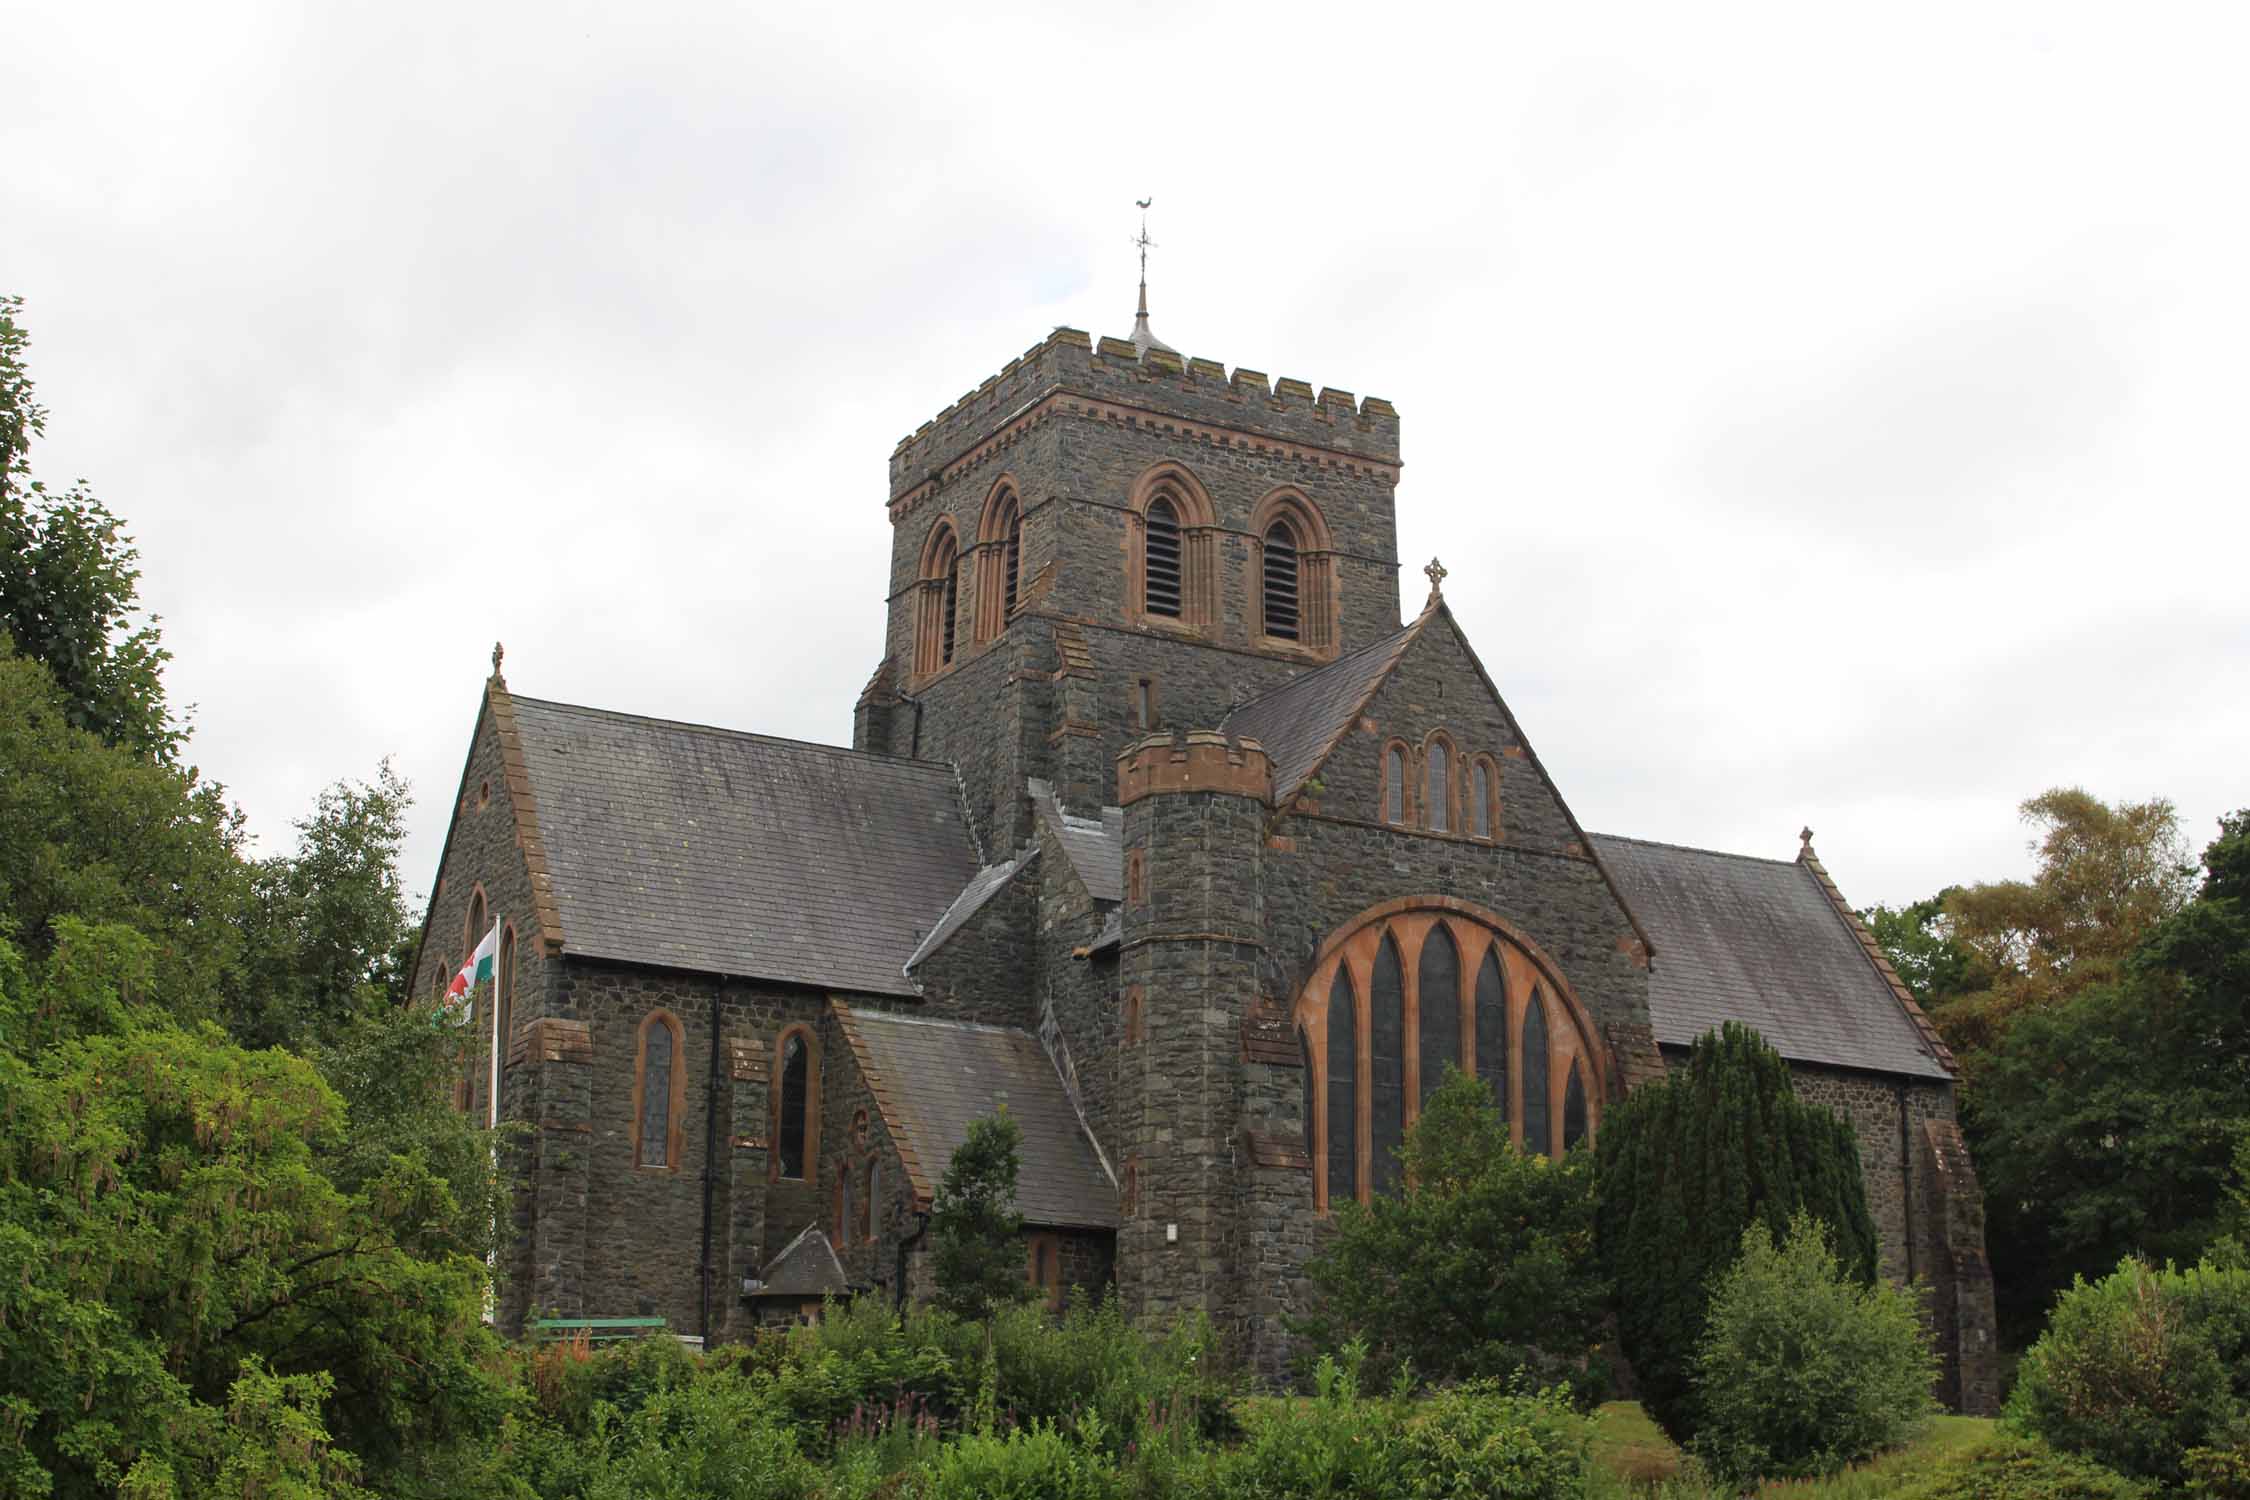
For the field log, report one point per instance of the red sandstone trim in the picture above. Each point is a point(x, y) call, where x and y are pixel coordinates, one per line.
point(879, 1088)
point(1942, 1054)
point(1203, 762)
point(525, 803)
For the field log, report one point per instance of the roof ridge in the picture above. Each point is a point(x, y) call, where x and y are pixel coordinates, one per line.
point(1755, 859)
point(907, 761)
point(860, 1013)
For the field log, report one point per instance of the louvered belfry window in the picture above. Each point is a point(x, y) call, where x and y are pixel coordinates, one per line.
point(952, 611)
point(1281, 581)
point(1012, 561)
point(1162, 585)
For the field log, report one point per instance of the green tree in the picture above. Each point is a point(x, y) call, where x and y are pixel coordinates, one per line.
point(1935, 964)
point(2107, 876)
point(168, 1213)
point(70, 580)
point(1803, 1369)
point(107, 834)
point(2136, 1155)
point(976, 1253)
point(1483, 1265)
point(1684, 1166)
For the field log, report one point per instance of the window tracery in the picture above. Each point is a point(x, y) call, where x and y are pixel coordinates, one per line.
point(1391, 1003)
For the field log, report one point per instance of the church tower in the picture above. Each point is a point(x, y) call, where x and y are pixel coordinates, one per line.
point(1106, 539)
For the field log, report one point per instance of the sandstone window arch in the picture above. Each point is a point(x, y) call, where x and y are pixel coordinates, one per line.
point(1172, 558)
point(1412, 986)
point(796, 1105)
point(999, 558)
point(1441, 790)
point(504, 990)
point(1293, 570)
point(659, 1092)
point(1396, 790)
point(1483, 799)
point(938, 600)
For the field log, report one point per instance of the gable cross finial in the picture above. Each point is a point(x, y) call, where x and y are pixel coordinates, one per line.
point(497, 652)
point(1804, 840)
point(1435, 572)
point(1146, 244)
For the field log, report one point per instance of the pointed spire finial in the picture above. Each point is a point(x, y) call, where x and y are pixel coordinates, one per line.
point(1435, 572)
point(1143, 339)
point(497, 652)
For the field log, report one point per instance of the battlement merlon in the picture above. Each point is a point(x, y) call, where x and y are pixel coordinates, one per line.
point(1201, 761)
point(1080, 374)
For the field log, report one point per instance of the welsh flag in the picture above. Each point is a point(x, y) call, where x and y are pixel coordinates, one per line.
point(478, 970)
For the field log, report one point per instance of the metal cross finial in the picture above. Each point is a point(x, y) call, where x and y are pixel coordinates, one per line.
point(497, 652)
point(1436, 574)
point(1146, 244)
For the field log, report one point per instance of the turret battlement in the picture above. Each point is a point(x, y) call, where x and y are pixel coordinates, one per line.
point(1201, 761)
point(1112, 373)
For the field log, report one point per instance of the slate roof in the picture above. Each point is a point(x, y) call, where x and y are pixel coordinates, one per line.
point(932, 1078)
point(741, 854)
point(1096, 846)
point(982, 887)
point(1758, 941)
point(1301, 721)
point(806, 1267)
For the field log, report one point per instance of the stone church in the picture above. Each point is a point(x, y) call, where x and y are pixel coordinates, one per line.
point(1162, 825)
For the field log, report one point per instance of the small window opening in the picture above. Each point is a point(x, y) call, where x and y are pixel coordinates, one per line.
point(1480, 814)
point(1163, 572)
point(1145, 702)
point(656, 1095)
point(1012, 562)
point(1438, 802)
point(1281, 581)
point(795, 1065)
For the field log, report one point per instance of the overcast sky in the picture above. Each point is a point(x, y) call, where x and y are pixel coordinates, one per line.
point(1828, 414)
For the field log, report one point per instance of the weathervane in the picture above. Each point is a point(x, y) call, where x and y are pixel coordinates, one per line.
point(1146, 244)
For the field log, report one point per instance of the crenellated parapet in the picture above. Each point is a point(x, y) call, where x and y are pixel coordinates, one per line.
point(1201, 761)
point(1070, 374)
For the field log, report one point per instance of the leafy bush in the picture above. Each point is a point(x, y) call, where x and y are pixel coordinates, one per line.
point(2139, 1367)
point(1483, 1265)
point(2221, 1469)
point(1335, 1445)
point(1802, 1370)
point(1031, 1463)
point(1684, 1165)
point(2020, 1469)
point(1478, 1440)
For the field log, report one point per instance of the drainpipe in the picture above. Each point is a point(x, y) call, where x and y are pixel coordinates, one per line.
point(710, 1157)
point(1906, 1177)
point(906, 1243)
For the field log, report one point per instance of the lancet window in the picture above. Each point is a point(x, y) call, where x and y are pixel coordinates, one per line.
point(1411, 990)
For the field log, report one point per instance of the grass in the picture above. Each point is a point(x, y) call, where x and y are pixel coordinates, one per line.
point(1638, 1460)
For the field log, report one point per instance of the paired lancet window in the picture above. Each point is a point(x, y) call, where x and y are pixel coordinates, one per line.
point(1408, 995)
point(1438, 789)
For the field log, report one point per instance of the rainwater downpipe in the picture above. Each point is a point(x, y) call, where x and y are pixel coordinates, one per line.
point(1906, 1178)
point(710, 1156)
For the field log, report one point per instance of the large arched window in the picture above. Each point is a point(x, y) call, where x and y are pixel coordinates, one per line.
point(1295, 572)
point(796, 1104)
point(659, 1092)
point(938, 606)
point(1387, 1009)
point(1277, 600)
point(999, 559)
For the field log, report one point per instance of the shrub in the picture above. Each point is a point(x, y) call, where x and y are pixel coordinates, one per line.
point(1802, 1369)
point(2133, 1370)
point(2221, 1469)
point(1030, 1463)
point(1483, 1265)
point(712, 1438)
point(1686, 1164)
point(1477, 1440)
point(2017, 1468)
point(1336, 1445)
